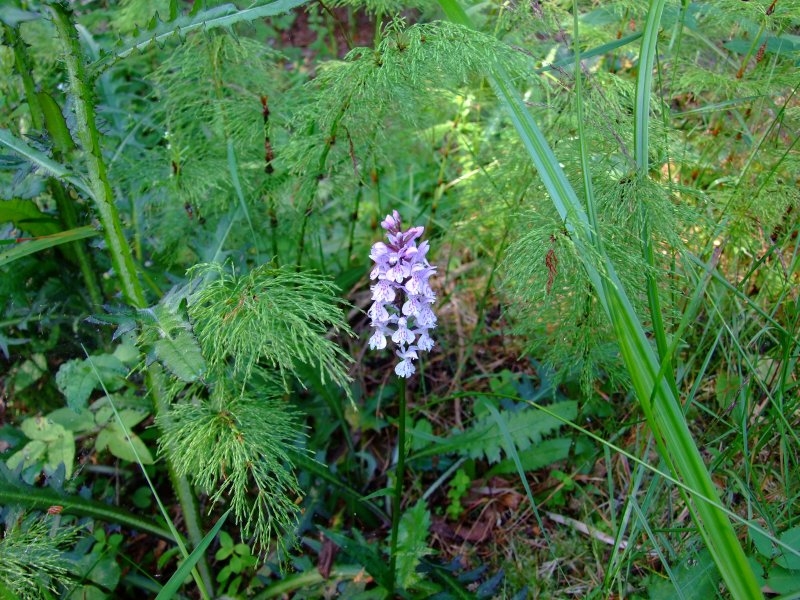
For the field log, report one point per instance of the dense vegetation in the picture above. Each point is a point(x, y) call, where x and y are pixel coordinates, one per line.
point(566, 366)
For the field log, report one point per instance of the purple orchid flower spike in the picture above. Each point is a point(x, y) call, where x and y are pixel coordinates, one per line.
point(402, 296)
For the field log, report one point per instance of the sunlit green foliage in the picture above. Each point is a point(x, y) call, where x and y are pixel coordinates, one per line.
point(33, 556)
point(251, 154)
point(232, 445)
point(272, 315)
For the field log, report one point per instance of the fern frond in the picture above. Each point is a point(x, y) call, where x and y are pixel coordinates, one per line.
point(527, 426)
point(273, 315)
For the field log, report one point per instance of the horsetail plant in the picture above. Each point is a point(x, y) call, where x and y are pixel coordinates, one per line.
point(401, 309)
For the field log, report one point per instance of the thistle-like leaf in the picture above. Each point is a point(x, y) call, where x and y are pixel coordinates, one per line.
point(225, 15)
point(166, 330)
point(181, 355)
point(412, 543)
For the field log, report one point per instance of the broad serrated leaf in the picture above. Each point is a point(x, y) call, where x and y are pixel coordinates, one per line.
point(181, 355)
point(783, 581)
point(76, 379)
point(31, 453)
point(41, 428)
point(764, 545)
point(50, 440)
point(102, 570)
point(74, 421)
point(114, 439)
point(127, 353)
point(412, 543)
point(61, 450)
point(130, 418)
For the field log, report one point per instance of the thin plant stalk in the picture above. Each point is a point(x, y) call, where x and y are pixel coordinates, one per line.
point(501, 248)
point(399, 474)
point(354, 219)
point(641, 145)
point(121, 256)
point(323, 158)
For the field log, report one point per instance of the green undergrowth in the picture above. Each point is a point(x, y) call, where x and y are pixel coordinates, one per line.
point(189, 404)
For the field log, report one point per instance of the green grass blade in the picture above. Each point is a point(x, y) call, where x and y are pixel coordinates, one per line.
point(176, 581)
point(46, 241)
point(657, 472)
point(642, 519)
point(641, 145)
point(678, 448)
point(670, 426)
point(6, 593)
point(644, 83)
point(601, 50)
point(233, 169)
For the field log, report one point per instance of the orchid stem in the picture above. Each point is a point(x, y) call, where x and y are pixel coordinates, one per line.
point(398, 485)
